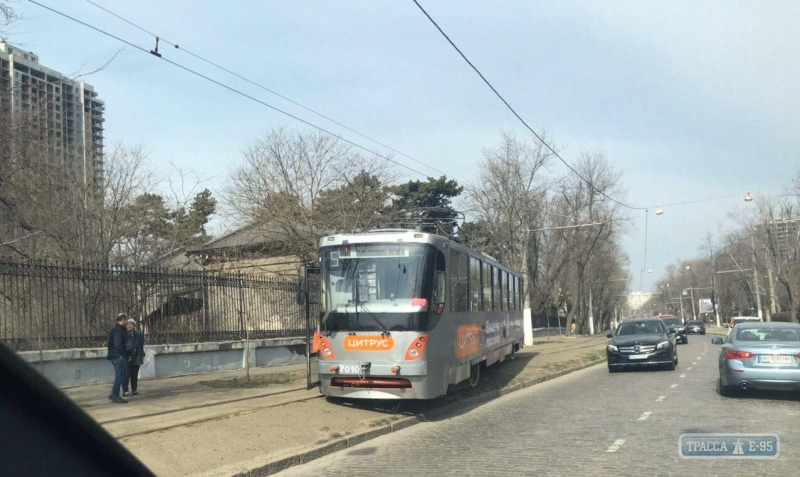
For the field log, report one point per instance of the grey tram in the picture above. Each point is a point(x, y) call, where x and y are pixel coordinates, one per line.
point(408, 315)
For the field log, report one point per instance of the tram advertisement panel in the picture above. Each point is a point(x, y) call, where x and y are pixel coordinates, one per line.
point(499, 326)
point(468, 340)
point(369, 343)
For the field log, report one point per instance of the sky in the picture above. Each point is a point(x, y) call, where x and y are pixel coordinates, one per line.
point(691, 100)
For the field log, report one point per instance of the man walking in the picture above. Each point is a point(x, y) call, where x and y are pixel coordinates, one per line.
point(135, 360)
point(118, 351)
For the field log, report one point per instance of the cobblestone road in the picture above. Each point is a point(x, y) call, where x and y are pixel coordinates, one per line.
point(587, 423)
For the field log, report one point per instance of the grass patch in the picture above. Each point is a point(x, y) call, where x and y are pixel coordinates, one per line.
point(379, 422)
point(562, 365)
point(260, 381)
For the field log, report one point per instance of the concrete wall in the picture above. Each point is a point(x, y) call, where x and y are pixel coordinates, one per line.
point(78, 367)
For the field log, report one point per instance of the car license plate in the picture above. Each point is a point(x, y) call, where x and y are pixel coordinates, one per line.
point(762, 358)
point(638, 356)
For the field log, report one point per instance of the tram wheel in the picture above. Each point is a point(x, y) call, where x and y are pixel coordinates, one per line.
point(513, 353)
point(474, 375)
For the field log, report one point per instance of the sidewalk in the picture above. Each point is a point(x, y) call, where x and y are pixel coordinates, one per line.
point(181, 426)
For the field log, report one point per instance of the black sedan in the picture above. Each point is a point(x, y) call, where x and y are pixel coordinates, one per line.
point(674, 324)
point(641, 343)
point(696, 327)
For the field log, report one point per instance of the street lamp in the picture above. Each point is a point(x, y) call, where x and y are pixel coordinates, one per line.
point(749, 198)
point(691, 291)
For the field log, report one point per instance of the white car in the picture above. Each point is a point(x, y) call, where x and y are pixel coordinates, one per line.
point(743, 319)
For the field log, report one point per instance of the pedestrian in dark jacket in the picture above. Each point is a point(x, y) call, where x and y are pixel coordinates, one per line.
point(135, 360)
point(119, 347)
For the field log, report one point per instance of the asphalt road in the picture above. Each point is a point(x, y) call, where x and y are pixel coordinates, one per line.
point(587, 423)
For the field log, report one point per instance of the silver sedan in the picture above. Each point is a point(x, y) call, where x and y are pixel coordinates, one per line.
point(760, 356)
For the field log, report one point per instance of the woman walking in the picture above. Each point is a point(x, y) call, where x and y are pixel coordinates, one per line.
point(136, 359)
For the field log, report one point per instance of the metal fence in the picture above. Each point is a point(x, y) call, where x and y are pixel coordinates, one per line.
point(55, 306)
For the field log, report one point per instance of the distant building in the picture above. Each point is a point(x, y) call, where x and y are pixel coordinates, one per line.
point(252, 249)
point(65, 114)
point(785, 235)
point(637, 301)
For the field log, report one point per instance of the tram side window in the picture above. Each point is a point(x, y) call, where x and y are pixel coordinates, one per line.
point(475, 292)
point(507, 291)
point(440, 280)
point(518, 293)
point(463, 282)
point(459, 280)
point(486, 284)
point(514, 294)
point(496, 289)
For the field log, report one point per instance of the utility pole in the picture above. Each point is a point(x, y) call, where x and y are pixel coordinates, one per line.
point(773, 299)
point(591, 318)
point(755, 277)
point(694, 313)
point(714, 287)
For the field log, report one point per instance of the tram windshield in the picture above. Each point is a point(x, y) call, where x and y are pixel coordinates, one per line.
point(376, 287)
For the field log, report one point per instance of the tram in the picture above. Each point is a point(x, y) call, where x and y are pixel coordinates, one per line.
point(409, 315)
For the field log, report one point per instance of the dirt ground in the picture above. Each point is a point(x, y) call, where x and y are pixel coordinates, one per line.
point(200, 439)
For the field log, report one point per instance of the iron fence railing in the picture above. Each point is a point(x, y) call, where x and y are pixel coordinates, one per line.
point(54, 306)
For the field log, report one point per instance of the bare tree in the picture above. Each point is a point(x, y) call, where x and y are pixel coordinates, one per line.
point(56, 213)
point(584, 201)
point(283, 181)
point(509, 199)
point(780, 226)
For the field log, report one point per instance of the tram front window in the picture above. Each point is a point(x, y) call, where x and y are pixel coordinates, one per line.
point(376, 287)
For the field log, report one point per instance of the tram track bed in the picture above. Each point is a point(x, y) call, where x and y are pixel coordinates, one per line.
point(260, 434)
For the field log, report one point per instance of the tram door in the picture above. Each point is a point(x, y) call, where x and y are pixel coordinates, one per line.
point(308, 298)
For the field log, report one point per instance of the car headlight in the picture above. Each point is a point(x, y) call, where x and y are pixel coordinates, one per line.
point(662, 345)
point(612, 348)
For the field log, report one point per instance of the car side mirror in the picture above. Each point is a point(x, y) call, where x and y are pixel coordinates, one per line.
point(609, 335)
point(672, 331)
point(716, 341)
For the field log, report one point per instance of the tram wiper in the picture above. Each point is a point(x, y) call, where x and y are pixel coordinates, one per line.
point(372, 315)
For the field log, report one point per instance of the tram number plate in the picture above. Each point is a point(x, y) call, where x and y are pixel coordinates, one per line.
point(774, 359)
point(350, 369)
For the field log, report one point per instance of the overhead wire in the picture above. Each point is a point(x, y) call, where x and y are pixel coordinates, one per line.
point(708, 199)
point(524, 123)
point(551, 149)
point(229, 88)
point(325, 131)
point(243, 78)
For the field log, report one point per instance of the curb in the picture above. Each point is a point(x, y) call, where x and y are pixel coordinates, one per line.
point(303, 457)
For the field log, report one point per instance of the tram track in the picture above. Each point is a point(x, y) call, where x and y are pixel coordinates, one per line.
point(199, 406)
point(178, 422)
point(130, 426)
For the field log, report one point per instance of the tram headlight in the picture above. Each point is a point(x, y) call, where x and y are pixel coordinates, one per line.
point(416, 348)
point(326, 350)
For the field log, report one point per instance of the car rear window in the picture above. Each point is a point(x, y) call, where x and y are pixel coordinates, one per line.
point(768, 333)
point(640, 328)
point(699, 323)
point(672, 321)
